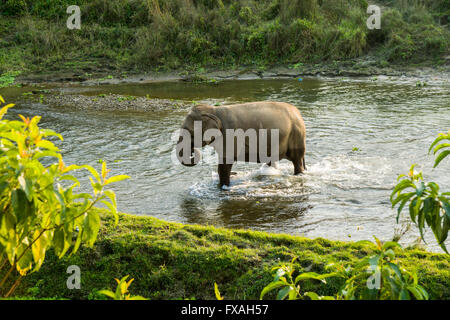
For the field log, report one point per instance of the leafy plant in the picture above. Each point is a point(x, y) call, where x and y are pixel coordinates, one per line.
point(437, 147)
point(39, 208)
point(376, 277)
point(121, 290)
point(379, 277)
point(427, 205)
point(288, 286)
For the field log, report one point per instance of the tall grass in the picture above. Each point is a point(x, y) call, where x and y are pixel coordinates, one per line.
point(146, 34)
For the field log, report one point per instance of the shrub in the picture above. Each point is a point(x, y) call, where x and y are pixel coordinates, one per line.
point(375, 277)
point(427, 205)
point(121, 292)
point(39, 208)
point(153, 33)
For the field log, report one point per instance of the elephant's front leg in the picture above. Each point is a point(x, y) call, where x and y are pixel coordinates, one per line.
point(224, 174)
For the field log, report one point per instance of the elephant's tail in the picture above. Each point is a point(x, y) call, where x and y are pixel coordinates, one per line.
point(304, 163)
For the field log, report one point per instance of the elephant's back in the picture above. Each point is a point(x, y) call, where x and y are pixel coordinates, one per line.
point(269, 110)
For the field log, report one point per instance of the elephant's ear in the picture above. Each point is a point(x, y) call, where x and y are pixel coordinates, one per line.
point(211, 121)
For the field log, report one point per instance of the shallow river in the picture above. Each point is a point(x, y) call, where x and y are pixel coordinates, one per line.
point(361, 135)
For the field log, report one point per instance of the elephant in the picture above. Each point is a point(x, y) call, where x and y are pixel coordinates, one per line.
point(283, 121)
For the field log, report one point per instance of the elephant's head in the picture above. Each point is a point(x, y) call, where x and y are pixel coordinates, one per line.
point(192, 134)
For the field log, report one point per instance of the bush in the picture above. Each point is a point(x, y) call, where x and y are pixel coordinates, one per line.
point(39, 208)
point(153, 33)
point(375, 277)
point(427, 204)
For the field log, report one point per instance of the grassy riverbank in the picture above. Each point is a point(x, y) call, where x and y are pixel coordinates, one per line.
point(176, 261)
point(135, 36)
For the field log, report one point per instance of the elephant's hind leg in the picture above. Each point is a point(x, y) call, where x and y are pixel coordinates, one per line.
point(299, 162)
point(298, 168)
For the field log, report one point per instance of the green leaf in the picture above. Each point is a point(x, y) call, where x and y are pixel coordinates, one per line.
point(46, 153)
point(116, 179)
point(137, 298)
point(39, 247)
point(364, 242)
point(280, 272)
point(396, 270)
point(404, 295)
point(27, 186)
point(312, 295)
point(26, 261)
point(93, 172)
point(420, 189)
point(402, 185)
point(441, 157)
point(271, 286)
point(108, 293)
point(283, 293)
point(416, 292)
point(441, 146)
point(91, 227)
point(47, 145)
point(23, 209)
point(48, 132)
point(441, 136)
point(61, 242)
point(446, 207)
point(390, 244)
point(313, 275)
point(423, 291)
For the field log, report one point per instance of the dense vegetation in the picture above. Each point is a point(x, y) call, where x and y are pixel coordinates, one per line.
point(39, 206)
point(181, 34)
point(173, 261)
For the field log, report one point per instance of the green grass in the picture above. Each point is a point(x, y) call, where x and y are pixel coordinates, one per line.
point(8, 78)
point(141, 35)
point(176, 261)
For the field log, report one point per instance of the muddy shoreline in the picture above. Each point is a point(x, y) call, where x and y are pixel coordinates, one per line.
point(363, 67)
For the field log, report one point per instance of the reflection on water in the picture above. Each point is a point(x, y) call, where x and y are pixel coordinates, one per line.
point(360, 136)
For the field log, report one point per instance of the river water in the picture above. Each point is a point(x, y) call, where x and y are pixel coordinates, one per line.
point(361, 134)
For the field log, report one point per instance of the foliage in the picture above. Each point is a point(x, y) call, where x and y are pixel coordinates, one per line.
point(39, 208)
point(290, 288)
point(427, 204)
point(181, 261)
point(171, 34)
point(438, 147)
point(8, 78)
point(121, 290)
point(375, 277)
point(379, 277)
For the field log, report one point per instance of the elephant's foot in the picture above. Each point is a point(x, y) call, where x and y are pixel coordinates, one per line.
point(298, 169)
